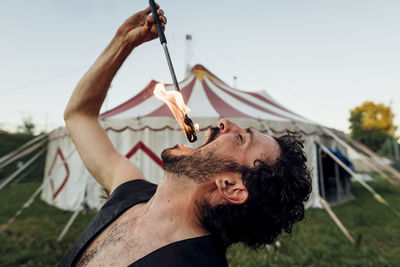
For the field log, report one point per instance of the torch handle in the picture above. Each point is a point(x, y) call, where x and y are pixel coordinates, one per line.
point(159, 27)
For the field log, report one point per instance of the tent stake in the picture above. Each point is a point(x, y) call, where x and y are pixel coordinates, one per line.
point(336, 219)
point(68, 225)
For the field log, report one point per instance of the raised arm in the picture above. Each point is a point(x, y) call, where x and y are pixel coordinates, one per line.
point(100, 157)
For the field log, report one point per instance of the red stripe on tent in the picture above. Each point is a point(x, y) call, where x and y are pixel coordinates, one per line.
point(137, 99)
point(223, 108)
point(164, 109)
point(146, 150)
point(262, 98)
point(252, 104)
point(201, 67)
point(58, 154)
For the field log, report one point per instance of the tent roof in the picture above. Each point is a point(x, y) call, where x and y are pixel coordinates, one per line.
point(207, 96)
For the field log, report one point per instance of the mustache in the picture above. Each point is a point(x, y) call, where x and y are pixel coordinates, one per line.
point(213, 135)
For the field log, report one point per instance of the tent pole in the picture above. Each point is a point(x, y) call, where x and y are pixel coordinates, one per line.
point(27, 144)
point(338, 139)
point(372, 159)
point(321, 173)
point(24, 206)
point(74, 215)
point(23, 153)
point(336, 219)
point(22, 176)
point(378, 197)
point(367, 150)
point(12, 176)
point(339, 191)
point(68, 225)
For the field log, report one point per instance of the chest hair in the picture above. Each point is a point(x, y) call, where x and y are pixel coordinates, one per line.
point(123, 242)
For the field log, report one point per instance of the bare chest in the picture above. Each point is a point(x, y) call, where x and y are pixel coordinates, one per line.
point(123, 242)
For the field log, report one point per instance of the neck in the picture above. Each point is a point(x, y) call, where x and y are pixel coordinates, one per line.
point(172, 208)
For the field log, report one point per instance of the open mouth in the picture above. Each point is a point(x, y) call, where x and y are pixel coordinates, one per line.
point(211, 135)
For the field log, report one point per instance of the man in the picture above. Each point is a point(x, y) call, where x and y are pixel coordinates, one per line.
point(240, 186)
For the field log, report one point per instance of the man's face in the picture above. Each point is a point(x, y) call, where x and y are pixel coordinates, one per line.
point(227, 147)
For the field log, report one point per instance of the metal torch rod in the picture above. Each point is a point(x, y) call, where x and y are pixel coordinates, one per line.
point(163, 42)
point(171, 68)
point(192, 134)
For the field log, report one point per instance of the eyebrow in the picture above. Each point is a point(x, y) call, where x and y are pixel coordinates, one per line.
point(249, 131)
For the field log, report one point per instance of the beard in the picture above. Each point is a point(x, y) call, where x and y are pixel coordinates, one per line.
point(201, 164)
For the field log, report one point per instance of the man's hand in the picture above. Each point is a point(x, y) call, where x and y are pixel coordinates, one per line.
point(141, 27)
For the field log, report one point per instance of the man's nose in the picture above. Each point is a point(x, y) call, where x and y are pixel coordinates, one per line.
point(226, 126)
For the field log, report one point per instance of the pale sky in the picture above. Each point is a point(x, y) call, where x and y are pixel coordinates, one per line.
point(318, 58)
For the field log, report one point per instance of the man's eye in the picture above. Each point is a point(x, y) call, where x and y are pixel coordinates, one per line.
point(241, 138)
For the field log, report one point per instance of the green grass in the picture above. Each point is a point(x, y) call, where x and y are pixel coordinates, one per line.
point(31, 239)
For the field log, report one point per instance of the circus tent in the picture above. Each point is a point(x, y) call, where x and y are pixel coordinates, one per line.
point(143, 126)
point(207, 96)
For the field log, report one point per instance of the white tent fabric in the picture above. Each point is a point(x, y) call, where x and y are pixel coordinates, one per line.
point(143, 126)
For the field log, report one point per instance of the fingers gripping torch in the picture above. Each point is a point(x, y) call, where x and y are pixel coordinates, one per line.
point(191, 135)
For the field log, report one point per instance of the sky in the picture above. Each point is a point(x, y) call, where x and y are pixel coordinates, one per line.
point(318, 58)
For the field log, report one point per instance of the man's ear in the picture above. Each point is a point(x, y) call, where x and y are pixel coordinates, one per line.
point(231, 188)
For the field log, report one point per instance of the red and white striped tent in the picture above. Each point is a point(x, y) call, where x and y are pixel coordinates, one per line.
point(143, 126)
point(207, 96)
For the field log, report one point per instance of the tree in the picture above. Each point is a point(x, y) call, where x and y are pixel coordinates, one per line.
point(372, 125)
point(375, 117)
point(27, 126)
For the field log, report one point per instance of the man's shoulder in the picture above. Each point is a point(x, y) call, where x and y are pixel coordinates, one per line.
point(138, 190)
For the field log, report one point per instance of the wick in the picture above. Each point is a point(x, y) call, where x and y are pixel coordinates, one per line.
point(191, 135)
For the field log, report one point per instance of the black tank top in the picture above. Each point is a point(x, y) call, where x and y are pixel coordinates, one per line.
point(199, 251)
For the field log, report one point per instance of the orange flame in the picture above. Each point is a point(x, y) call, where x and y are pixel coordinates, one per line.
point(175, 102)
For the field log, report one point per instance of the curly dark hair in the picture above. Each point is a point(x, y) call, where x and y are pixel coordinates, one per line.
point(276, 199)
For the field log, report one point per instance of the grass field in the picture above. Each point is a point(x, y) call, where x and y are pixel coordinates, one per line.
point(31, 239)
